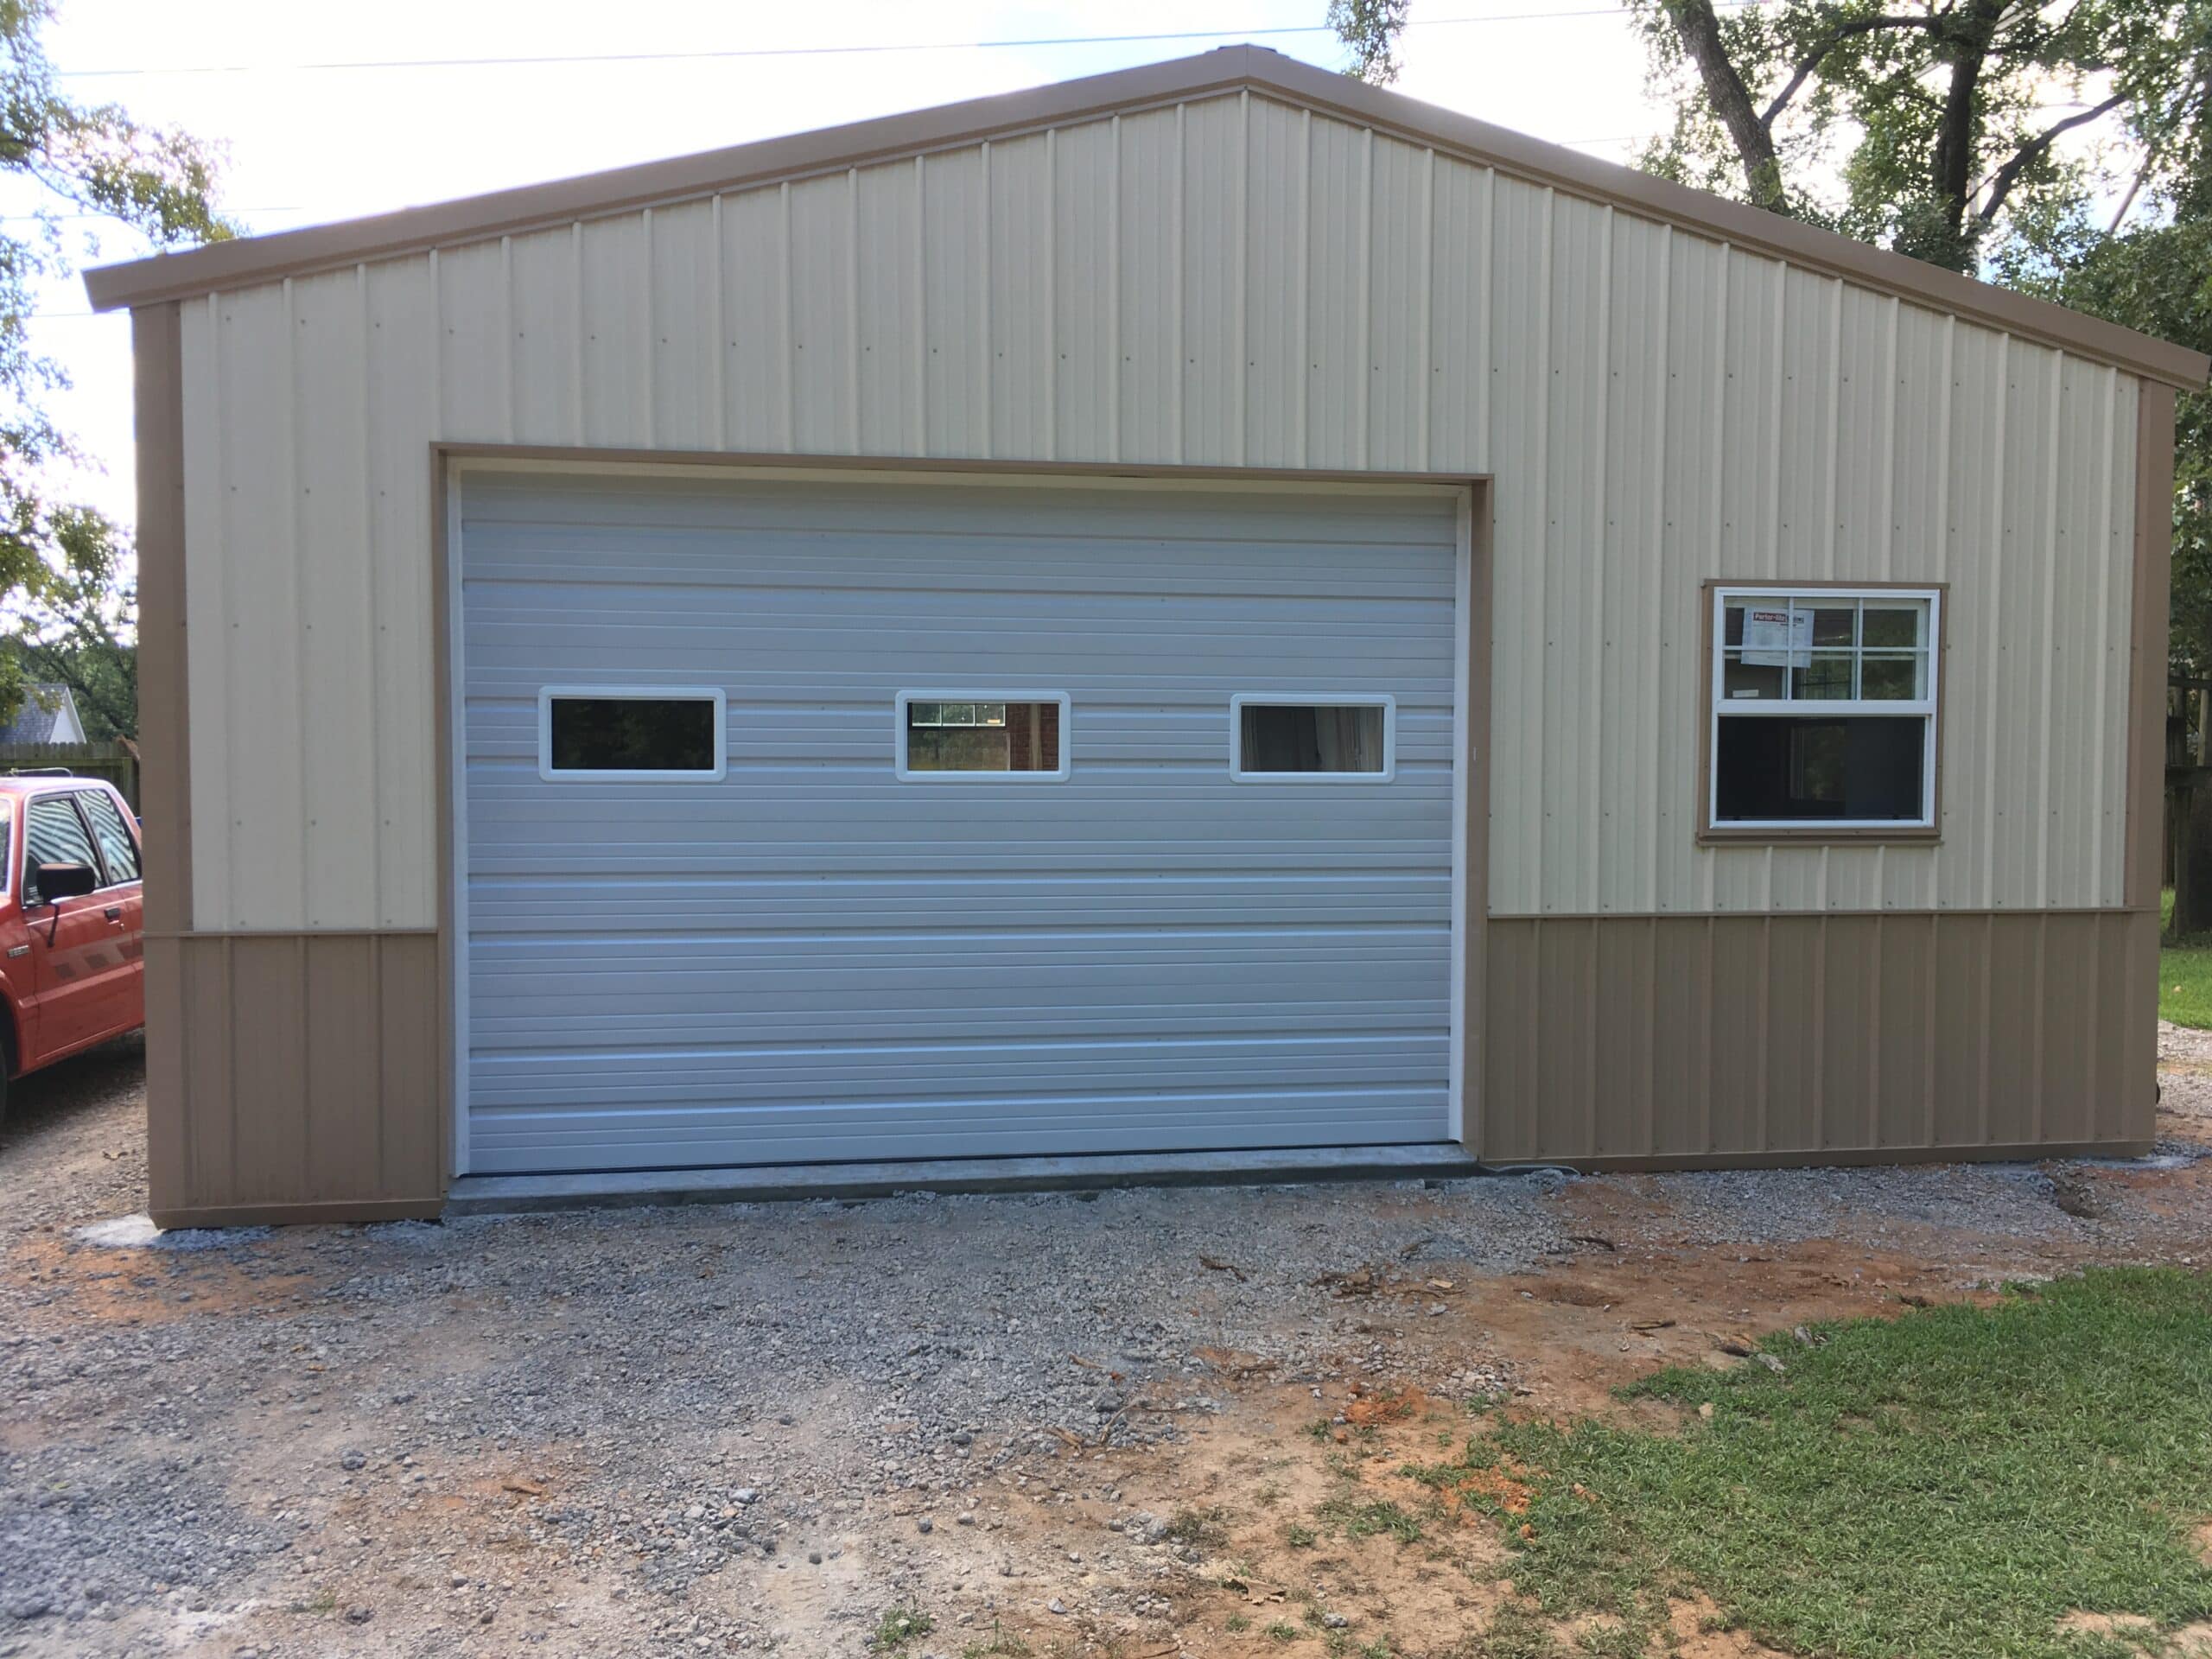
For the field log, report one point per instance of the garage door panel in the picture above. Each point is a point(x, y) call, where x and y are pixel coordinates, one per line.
point(906, 1130)
point(858, 1073)
point(809, 958)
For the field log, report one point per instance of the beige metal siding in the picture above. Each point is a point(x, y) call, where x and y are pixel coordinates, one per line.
point(1228, 281)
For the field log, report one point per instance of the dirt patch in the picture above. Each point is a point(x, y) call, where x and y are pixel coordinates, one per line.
point(77, 1284)
point(1701, 1632)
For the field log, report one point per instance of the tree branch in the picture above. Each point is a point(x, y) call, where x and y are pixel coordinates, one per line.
point(1837, 36)
point(2002, 180)
point(1698, 30)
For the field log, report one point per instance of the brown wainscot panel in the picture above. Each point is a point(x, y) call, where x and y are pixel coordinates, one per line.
point(292, 1077)
point(1686, 1041)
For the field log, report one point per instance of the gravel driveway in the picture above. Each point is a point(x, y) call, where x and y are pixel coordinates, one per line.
point(726, 1428)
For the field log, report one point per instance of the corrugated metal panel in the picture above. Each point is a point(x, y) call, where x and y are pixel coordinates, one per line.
point(1809, 1038)
point(300, 1078)
point(813, 959)
point(1231, 280)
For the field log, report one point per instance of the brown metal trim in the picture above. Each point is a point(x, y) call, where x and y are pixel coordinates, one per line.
point(2147, 645)
point(231, 265)
point(450, 1036)
point(1706, 833)
point(800, 462)
point(156, 344)
point(289, 1214)
point(2023, 1152)
point(165, 775)
point(1475, 1004)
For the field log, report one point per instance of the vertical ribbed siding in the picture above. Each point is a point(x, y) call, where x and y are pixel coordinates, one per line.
point(1808, 1039)
point(1231, 281)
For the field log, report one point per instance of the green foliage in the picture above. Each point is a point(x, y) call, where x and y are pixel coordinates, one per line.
point(900, 1626)
point(60, 563)
point(2064, 148)
point(1367, 1520)
point(1935, 129)
point(1371, 29)
point(2184, 972)
point(1956, 1480)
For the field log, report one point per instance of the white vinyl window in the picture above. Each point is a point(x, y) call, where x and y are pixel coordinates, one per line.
point(1005, 737)
point(1823, 708)
point(629, 733)
point(1305, 737)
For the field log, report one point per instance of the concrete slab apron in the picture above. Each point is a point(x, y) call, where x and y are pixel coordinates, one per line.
point(497, 1194)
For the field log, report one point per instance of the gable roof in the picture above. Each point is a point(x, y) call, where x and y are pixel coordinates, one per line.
point(654, 184)
point(48, 714)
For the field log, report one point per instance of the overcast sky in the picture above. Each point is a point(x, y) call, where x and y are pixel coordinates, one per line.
point(306, 145)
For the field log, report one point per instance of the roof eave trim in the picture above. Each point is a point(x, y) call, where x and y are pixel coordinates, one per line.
point(415, 230)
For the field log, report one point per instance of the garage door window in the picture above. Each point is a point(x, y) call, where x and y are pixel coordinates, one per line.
point(613, 733)
point(1309, 739)
point(1823, 711)
point(982, 737)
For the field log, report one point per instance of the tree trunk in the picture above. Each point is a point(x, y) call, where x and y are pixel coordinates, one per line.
point(1951, 170)
point(1699, 29)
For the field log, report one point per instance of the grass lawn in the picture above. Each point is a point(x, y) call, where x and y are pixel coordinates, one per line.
point(2184, 972)
point(1954, 1481)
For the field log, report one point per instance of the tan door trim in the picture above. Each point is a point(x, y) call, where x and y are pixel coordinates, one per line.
point(1477, 512)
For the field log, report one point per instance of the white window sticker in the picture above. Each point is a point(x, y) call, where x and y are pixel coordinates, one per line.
point(1777, 636)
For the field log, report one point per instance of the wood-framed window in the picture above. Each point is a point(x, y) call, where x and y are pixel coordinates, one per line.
point(1821, 712)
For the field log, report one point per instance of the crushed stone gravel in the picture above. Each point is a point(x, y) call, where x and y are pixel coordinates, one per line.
point(724, 1424)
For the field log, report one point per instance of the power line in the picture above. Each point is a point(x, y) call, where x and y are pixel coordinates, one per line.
point(846, 50)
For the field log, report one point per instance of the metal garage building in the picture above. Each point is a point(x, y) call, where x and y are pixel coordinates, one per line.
point(1208, 608)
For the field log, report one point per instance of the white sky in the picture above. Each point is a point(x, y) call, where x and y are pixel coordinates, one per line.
point(305, 146)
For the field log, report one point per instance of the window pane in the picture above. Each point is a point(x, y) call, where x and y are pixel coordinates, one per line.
point(634, 735)
point(1289, 738)
point(56, 836)
point(1894, 626)
point(117, 851)
point(1883, 675)
point(983, 737)
point(1864, 767)
point(1823, 676)
point(1752, 682)
point(1834, 625)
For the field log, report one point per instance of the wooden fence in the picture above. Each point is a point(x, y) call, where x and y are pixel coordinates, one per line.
point(113, 761)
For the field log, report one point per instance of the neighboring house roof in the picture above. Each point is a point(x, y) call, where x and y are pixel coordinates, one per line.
point(48, 716)
point(474, 218)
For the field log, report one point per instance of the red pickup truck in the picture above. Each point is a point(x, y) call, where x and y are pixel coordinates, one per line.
point(72, 926)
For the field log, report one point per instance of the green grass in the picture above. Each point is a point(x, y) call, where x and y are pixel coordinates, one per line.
point(1952, 1482)
point(1366, 1520)
point(2184, 972)
point(900, 1626)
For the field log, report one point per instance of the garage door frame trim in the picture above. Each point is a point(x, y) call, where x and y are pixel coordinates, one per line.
point(1472, 587)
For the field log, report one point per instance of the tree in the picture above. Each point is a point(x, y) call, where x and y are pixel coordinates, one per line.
point(62, 564)
point(1371, 29)
point(2061, 147)
point(1933, 127)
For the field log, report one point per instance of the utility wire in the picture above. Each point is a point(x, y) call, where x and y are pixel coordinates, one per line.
point(850, 49)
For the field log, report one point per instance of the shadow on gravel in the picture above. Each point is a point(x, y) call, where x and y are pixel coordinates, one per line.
point(49, 1100)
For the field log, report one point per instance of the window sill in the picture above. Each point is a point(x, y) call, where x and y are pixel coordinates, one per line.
point(1832, 835)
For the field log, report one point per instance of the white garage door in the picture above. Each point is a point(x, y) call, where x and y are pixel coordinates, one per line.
point(730, 894)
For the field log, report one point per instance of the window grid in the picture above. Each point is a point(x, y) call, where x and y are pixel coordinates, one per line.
point(1925, 604)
